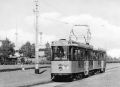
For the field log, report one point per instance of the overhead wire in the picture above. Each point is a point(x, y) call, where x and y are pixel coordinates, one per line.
point(45, 2)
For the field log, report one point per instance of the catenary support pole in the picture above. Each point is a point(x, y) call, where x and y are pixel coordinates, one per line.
point(36, 45)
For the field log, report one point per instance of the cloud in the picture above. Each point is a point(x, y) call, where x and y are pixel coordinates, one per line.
point(44, 19)
point(48, 38)
point(23, 37)
point(52, 15)
point(99, 28)
point(114, 53)
point(103, 34)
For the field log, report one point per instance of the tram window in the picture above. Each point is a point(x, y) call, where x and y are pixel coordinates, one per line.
point(96, 55)
point(83, 54)
point(70, 53)
point(99, 55)
point(75, 53)
point(102, 56)
point(105, 56)
point(86, 55)
point(91, 54)
point(89, 57)
point(79, 54)
point(59, 52)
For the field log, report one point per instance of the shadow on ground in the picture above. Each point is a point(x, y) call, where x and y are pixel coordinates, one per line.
point(42, 71)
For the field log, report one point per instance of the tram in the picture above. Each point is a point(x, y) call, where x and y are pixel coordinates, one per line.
point(71, 59)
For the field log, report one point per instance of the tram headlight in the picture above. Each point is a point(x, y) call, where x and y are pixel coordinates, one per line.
point(60, 68)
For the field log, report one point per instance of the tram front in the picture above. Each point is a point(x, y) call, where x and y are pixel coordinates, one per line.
point(60, 64)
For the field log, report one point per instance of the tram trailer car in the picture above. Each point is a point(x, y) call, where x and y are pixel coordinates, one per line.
point(71, 59)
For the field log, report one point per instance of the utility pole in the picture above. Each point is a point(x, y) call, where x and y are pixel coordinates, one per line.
point(36, 45)
point(16, 37)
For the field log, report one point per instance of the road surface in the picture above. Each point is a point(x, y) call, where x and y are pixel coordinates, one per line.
point(29, 78)
point(110, 78)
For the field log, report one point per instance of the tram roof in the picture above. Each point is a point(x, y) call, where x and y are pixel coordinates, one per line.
point(71, 43)
point(99, 49)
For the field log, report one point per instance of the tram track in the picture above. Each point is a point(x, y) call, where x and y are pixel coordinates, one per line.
point(50, 83)
point(112, 68)
point(36, 84)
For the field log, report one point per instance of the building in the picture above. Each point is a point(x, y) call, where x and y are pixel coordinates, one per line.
point(41, 53)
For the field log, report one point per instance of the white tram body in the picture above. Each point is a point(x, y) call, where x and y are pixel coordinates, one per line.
point(72, 59)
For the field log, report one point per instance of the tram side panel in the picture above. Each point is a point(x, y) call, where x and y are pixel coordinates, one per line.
point(61, 67)
point(99, 64)
point(90, 64)
point(77, 66)
point(95, 64)
point(102, 65)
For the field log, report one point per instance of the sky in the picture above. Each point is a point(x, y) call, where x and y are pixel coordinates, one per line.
point(56, 19)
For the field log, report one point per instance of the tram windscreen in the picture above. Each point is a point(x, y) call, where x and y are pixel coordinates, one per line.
point(59, 52)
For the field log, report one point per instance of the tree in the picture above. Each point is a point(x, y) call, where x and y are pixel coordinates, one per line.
point(28, 49)
point(7, 48)
point(33, 50)
point(48, 51)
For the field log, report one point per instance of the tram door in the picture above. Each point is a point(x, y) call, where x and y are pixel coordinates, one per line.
point(86, 63)
point(102, 61)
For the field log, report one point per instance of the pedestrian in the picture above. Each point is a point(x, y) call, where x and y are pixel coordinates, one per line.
point(22, 62)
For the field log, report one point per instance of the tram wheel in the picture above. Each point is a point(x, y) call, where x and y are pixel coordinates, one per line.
point(71, 78)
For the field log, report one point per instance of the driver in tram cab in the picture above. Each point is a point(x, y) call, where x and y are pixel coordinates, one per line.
point(74, 54)
point(60, 52)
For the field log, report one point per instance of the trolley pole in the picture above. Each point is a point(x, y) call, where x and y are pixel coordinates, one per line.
point(36, 46)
